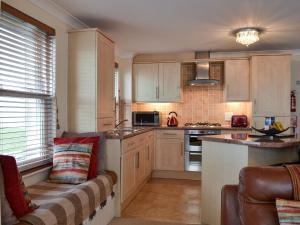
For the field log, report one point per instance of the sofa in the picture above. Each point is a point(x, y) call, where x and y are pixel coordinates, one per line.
point(252, 201)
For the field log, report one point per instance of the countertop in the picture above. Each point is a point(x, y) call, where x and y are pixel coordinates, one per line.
point(261, 142)
point(142, 130)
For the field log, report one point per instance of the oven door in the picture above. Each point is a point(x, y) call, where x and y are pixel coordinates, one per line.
point(192, 144)
point(193, 161)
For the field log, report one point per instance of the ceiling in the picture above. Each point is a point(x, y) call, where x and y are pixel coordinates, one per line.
point(146, 26)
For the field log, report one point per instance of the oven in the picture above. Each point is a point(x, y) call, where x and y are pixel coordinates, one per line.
point(193, 148)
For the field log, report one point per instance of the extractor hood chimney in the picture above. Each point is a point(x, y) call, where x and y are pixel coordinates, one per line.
point(202, 76)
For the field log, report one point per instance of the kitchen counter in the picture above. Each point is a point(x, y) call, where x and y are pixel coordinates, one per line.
point(140, 130)
point(223, 156)
point(261, 142)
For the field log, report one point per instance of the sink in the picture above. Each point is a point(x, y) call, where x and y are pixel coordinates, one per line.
point(123, 131)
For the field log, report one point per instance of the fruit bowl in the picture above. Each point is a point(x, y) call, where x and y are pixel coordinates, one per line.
point(270, 132)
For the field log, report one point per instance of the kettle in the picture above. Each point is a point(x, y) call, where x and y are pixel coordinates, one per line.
point(172, 120)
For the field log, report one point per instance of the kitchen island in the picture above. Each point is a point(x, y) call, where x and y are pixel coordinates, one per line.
point(223, 156)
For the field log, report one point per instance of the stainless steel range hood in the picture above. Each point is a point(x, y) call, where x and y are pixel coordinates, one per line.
point(202, 76)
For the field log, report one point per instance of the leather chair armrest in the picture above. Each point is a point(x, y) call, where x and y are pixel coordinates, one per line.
point(229, 206)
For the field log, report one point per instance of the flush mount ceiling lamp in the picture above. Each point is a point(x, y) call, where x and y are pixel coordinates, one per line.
point(247, 36)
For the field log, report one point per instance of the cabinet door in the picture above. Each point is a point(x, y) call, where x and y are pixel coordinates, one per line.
point(145, 82)
point(169, 154)
point(140, 156)
point(105, 79)
point(149, 154)
point(169, 82)
point(237, 79)
point(271, 85)
point(128, 174)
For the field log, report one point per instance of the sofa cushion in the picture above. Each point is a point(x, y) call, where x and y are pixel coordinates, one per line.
point(7, 215)
point(100, 153)
point(15, 190)
point(92, 173)
point(288, 211)
point(71, 163)
point(258, 189)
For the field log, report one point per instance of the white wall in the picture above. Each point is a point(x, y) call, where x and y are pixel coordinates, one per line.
point(61, 29)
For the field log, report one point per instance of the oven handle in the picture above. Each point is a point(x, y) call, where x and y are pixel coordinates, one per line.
point(193, 136)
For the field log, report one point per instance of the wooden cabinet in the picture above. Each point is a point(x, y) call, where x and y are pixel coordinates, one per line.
point(137, 161)
point(169, 151)
point(169, 82)
point(270, 85)
point(237, 80)
point(145, 82)
point(128, 173)
point(91, 81)
point(157, 82)
point(149, 154)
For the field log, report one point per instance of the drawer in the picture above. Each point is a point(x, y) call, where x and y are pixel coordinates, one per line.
point(105, 124)
point(129, 144)
point(176, 134)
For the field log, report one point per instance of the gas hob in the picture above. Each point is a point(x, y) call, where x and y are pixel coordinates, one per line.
point(202, 124)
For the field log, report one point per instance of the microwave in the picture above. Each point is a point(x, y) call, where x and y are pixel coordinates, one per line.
point(146, 118)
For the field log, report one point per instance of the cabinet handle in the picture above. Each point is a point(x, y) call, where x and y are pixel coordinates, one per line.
point(148, 152)
point(157, 92)
point(137, 160)
point(181, 149)
point(170, 134)
point(254, 105)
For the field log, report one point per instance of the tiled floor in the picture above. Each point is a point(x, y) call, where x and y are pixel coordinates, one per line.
point(167, 200)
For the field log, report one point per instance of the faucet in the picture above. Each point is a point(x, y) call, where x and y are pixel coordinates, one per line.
point(122, 121)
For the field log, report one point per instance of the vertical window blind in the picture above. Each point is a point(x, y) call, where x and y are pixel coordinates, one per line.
point(27, 92)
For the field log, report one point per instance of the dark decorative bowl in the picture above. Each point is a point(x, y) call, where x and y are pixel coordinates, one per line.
point(270, 132)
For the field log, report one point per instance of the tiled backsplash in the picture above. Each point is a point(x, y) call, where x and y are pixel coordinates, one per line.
point(204, 103)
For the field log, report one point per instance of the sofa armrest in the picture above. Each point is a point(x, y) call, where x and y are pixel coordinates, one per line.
point(229, 205)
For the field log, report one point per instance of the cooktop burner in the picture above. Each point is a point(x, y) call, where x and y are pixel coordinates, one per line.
point(202, 124)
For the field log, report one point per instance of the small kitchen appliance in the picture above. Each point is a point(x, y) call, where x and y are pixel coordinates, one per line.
point(146, 118)
point(172, 120)
point(239, 121)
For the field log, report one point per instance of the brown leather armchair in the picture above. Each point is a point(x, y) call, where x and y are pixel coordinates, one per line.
point(252, 201)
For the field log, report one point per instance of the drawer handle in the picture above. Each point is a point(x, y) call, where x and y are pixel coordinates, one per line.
point(170, 134)
point(107, 124)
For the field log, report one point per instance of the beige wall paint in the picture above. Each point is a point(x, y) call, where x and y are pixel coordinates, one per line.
point(61, 53)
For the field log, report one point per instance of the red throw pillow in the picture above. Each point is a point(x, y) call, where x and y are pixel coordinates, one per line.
point(15, 191)
point(84, 140)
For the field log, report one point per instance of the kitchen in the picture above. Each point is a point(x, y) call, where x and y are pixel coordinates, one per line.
point(177, 150)
point(180, 94)
point(157, 87)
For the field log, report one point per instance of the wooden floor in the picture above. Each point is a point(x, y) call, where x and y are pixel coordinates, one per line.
point(167, 200)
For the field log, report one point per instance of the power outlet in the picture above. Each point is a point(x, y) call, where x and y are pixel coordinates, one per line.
point(228, 116)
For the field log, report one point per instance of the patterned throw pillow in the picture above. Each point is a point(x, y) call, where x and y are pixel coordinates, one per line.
point(288, 211)
point(71, 163)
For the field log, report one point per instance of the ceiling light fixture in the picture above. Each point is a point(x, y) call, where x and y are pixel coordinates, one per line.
point(247, 36)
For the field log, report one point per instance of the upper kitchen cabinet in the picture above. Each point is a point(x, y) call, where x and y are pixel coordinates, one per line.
point(145, 82)
point(157, 82)
point(237, 80)
point(91, 81)
point(271, 85)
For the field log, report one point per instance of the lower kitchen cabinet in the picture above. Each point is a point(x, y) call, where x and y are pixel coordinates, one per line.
point(169, 150)
point(137, 161)
point(128, 176)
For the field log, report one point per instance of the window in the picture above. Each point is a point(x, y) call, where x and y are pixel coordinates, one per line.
point(27, 89)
